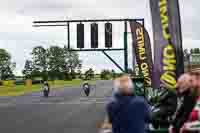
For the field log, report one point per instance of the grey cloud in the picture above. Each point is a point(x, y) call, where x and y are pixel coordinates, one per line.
point(190, 20)
point(19, 36)
point(191, 29)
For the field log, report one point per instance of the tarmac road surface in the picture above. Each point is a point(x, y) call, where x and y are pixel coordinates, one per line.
point(65, 111)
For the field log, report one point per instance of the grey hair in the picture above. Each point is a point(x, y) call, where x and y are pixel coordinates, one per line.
point(117, 85)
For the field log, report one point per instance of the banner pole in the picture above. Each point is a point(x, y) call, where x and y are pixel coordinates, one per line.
point(68, 35)
point(125, 48)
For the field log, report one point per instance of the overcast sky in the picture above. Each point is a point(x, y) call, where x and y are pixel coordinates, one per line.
point(19, 37)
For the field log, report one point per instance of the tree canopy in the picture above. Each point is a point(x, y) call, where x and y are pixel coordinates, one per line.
point(52, 63)
point(6, 65)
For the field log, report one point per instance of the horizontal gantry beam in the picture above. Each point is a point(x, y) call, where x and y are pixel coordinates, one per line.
point(86, 20)
point(111, 49)
point(50, 25)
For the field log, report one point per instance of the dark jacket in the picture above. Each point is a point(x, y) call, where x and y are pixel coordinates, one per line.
point(164, 109)
point(128, 114)
point(183, 112)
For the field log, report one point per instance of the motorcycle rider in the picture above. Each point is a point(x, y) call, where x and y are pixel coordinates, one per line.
point(86, 88)
point(46, 89)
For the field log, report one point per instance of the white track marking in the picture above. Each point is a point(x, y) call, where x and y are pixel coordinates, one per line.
point(74, 102)
point(106, 131)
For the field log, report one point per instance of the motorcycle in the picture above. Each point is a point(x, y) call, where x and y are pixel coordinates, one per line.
point(46, 90)
point(86, 88)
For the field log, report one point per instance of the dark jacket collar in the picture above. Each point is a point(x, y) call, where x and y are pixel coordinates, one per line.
point(124, 96)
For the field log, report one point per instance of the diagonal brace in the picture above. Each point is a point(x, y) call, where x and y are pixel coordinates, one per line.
point(113, 61)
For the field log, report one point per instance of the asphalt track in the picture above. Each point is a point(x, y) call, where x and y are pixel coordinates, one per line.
point(65, 111)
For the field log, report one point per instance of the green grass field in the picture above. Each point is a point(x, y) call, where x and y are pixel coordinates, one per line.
point(22, 89)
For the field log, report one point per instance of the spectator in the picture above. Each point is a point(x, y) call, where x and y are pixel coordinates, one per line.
point(193, 122)
point(184, 85)
point(128, 113)
point(194, 80)
point(164, 109)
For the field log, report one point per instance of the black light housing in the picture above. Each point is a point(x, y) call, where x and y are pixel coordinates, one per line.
point(80, 35)
point(94, 35)
point(108, 35)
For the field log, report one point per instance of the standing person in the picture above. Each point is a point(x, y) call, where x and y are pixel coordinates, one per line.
point(184, 85)
point(193, 122)
point(107, 126)
point(128, 113)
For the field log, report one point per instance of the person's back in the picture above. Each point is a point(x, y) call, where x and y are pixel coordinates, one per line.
point(128, 113)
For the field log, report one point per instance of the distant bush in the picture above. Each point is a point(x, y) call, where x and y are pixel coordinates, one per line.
point(89, 74)
point(19, 82)
point(68, 77)
point(105, 75)
point(36, 82)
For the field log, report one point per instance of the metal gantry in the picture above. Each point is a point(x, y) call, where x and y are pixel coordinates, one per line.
point(66, 23)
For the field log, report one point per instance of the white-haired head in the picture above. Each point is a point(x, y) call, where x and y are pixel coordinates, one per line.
point(184, 83)
point(123, 84)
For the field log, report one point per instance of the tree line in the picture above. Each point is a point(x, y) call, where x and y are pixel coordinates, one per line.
point(191, 51)
point(57, 63)
point(188, 52)
point(50, 64)
point(195, 51)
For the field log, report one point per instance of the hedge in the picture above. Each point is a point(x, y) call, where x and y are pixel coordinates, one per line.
point(22, 82)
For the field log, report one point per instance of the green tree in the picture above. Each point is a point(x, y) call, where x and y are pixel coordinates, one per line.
point(89, 74)
point(79, 72)
point(113, 74)
point(56, 61)
point(39, 59)
point(105, 75)
point(72, 61)
point(191, 51)
point(28, 69)
point(6, 65)
point(196, 50)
